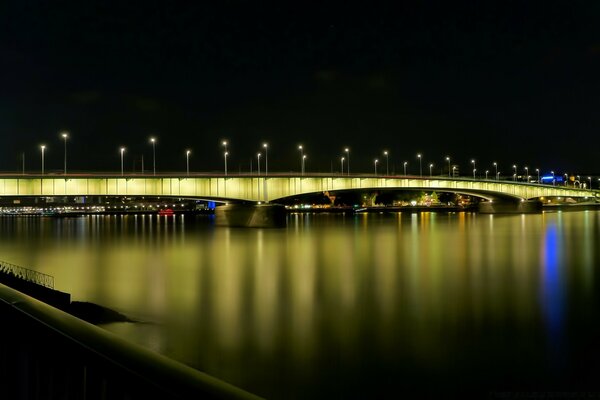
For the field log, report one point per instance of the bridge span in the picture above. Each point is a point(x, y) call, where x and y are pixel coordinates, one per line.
point(253, 188)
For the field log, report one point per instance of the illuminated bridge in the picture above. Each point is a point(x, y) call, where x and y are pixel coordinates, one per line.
point(246, 187)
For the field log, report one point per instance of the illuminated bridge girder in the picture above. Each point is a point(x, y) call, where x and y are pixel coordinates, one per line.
point(269, 189)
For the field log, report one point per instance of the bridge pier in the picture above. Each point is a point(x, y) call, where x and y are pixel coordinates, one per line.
point(251, 215)
point(510, 207)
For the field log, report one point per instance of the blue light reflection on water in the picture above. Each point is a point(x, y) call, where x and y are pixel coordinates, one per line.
point(552, 289)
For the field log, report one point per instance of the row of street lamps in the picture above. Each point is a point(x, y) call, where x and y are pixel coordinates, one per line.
point(303, 156)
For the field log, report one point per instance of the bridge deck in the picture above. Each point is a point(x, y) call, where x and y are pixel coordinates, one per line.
point(275, 186)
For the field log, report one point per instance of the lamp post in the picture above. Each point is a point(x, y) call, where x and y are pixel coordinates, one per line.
point(496, 166)
point(65, 135)
point(301, 159)
point(590, 180)
point(420, 166)
point(553, 183)
point(258, 160)
point(43, 148)
point(376, 161)
point(405, 163)
point(153, 141)
point(387, 164)
point(225, 154)
point(538, 174)
point(187, 161)
point(515, 174)
point(430, 170)
point(342, 166)
point(486, 174)
point(448, 159)
point(303, 162)
point(527, 173)
point(122, 150)
point(453, 170)
point(266, 146)
point(347, 150)
point(474, 167)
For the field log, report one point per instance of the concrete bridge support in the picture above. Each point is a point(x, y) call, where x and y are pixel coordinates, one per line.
point(251, 215)
point(510, 207)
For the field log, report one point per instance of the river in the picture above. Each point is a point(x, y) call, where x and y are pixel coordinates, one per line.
point(443, 305)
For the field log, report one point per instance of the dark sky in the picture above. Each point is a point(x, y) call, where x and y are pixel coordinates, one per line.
point(507, 81)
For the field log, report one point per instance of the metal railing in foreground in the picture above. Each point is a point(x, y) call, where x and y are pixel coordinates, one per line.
point(46, 353)
point(27, 274)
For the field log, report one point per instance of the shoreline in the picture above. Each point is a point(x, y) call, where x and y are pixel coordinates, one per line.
point(332, 210)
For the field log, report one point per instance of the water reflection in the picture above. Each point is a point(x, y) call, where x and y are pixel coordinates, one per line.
point(339, 306)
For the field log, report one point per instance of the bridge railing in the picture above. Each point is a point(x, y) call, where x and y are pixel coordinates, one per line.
point(28, 275)
point(46, 353)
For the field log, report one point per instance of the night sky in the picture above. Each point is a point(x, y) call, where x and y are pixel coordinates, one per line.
point(512, 82)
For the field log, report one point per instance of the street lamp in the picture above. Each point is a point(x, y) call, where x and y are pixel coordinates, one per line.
point(153, 141)
point(527, 173)
point(342, 168)
point(387, 164)
point(376, 161)
point(590, 180)
point(448, 159)
point(301, 159)
point(453, 170)
point(538, 174)
point(43, 147)
point(553, 182)
point(474, 168)
point(486, 174)
point(347, 150)
point(515, 174)
point(65, 135)
point(187, 161)
point(266, 146)
point(122, 151)
point(496, 166)
point(420, 166)
point(430, 170)
point(225, 154)
point(258, 159)
point(405, 163)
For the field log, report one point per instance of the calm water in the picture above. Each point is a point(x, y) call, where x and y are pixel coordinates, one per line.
point(344, 306)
